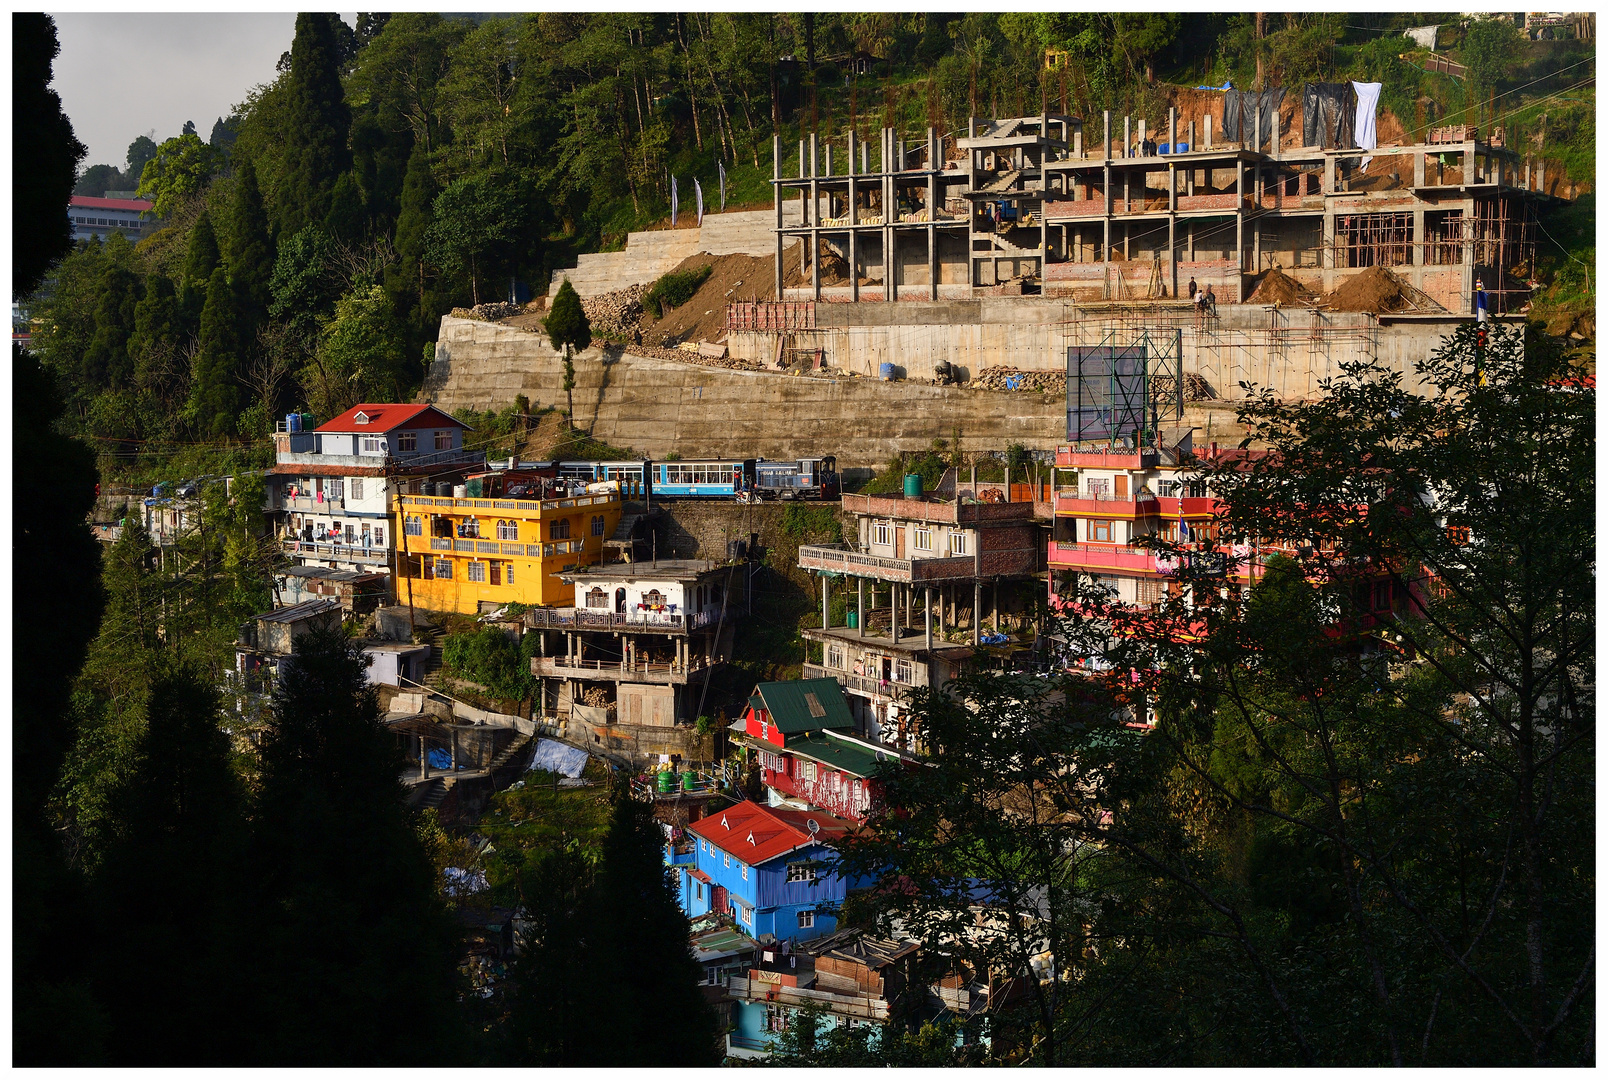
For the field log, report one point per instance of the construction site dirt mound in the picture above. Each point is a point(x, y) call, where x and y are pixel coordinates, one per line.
point(1375, 290)
point(732, 279)
point(1277, 287)
point(796, 271)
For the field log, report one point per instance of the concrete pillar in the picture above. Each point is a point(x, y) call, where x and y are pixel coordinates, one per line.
point(424, 759)
point(776, 175)
point(1208, 131)
point(994, 595)
point(826, 611)
point(977, 612)
point(859, 605)
point(454, 751)
point(815, 220)
point(1468, 163)
point(893, 610)
point(1239, 214)
point(1419, 159)
point(1105, 248)
point(927, 612)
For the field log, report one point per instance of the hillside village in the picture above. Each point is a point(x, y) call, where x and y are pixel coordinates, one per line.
point(1019, 558)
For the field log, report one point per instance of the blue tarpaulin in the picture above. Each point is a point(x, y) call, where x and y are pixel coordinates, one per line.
point(440, 759)
point(1226, 86)
point(556, 757)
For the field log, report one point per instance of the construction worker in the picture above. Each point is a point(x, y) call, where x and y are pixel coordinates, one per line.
point(1192, 288)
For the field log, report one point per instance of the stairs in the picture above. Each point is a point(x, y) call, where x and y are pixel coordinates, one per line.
point(513, 750)
point(432, 666)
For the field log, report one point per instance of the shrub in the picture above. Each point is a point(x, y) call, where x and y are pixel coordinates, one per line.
point(674, 289)
point(490, 658)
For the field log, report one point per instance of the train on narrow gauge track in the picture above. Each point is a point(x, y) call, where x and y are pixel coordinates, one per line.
point(749, 479)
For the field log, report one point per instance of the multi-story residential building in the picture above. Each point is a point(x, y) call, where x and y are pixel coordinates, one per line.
point(639, 639)
point(930, 556)
point(333, 488)
point(767, 868)
point(99, 218)
point(802, 735)
point(497, 540)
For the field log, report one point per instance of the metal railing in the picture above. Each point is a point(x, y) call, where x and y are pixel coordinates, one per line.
point(380, 554)
point(844, 559)
point(540, 505)
point(586, 619)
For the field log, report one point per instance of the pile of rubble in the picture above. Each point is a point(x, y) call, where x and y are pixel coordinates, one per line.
point(689, 356)
point(1195, 388)
point(616, 314)
point(488, 312)
point(1007, 378)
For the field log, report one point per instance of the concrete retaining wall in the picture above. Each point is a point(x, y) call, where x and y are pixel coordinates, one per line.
point(649, 255)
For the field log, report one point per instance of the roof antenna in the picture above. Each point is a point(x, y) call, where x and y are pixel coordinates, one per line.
point(813, 825)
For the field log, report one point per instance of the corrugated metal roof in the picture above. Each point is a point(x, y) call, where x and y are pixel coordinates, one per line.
point(757, 834)
point(296, 612)
point(859, 947)
point(380, 418)
point(805, 705)
point(839, 754)
point(90, 202)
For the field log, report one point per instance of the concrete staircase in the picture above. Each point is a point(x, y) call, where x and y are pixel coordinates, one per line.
point(650, 255)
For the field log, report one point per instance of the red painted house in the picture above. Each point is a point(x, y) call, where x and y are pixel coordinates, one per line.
point(803, 737)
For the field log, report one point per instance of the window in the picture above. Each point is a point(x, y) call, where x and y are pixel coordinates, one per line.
point(806, 919)
point(597, 525)
point(379, 536)
point(697, 890)
point(800, 872)
point(373, 445)
point(1100, 532)
point(443, 440)
point(1097, 488)
point(901, 671)
point(834, 656)
point(508, 573)
point(413, 526)
point(508, 530)
point(443, 569)
point(923, 539)
point(469, 527)
point(807, 771)
point(727, 854)
point(879, 533)
point(559, 530)
point(745, 870)
point(408, 441)
point(773, 762)
point(357, 489)
point(334, 489)
point(957, 543)
point(597, 598)
point(477, 571)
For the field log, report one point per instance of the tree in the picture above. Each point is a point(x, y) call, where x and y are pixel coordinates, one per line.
point(305, 285)
point(97, 180)
point(181, 168)
point(1144, 36)
point(315, 154)
point(108, 360)
point(224, 133)
point(1488, 50)
point(215, 387)
point(333, 846)
point(140, 151)
point(476, 219)
point(407, 280)
point(360, 355)
point(622, 938)
point(568, 328)
point(41, 135)
point(201, 258)
point(156, 342)
point(251, 249)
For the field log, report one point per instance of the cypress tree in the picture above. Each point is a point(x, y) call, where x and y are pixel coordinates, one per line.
point(568, 328)
point(352, 945)
point(214, 382)
point(416, 303)
point(317, 124)
point(158, 329)
point(165, 969)
point(107, 361)
point(201, 258)
point(347, 217)
point(251, 248)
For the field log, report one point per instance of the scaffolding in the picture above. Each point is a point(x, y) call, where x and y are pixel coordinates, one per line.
point(1126, 387)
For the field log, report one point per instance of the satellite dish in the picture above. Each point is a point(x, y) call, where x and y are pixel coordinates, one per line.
point(813, 825)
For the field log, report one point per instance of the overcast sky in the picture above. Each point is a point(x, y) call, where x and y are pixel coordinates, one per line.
point(121, 75)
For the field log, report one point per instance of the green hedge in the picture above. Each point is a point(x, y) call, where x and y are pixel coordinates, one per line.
point(674, 289)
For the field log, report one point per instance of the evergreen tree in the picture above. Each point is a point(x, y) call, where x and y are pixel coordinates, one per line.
point(201, 258)
point(412, 293)
point(107, 361)
point(154, 345)
point(568, 328)
point(251, 249)
point(214, 382)
point(316, 154)
point(352, 948)
point(164, 969)
point(41, 136)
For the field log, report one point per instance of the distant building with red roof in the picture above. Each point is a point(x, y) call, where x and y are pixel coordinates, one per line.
point(99, 218)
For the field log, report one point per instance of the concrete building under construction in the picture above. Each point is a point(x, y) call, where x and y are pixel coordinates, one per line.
point(1055, 206)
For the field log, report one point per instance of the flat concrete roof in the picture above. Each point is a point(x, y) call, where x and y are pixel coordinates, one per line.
point(662, 570)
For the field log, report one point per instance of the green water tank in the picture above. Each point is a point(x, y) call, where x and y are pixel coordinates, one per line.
point(912, 488)
point(854, 620)
point(689, 781)
point(667, 782)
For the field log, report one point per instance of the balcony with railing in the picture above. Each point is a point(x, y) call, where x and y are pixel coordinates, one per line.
point(312, 549)
point(869, 684)
point(843, 559)
point(1070, 502)
point(924, 508)
point(1101, 557)
point(476, 545)
point(1066, 457)
point(640, 671)
point(647, 622)
point(521, 507)
point(859, 1007)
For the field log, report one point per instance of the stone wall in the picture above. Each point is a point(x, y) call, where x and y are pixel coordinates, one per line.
point(649, 255)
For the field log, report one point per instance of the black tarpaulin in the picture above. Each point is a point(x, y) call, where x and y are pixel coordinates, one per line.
point(1239, 113)
point(1328, 115)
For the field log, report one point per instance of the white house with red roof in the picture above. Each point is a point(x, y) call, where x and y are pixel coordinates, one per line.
point(333, 488)
point(99, 218)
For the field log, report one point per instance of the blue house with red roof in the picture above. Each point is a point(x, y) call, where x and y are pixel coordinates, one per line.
point(760, 865)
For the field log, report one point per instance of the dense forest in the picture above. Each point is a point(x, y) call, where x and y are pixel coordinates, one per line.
point(418, 162)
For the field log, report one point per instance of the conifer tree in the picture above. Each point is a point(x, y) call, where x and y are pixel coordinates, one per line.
point(251, 248)
point(352, 950)
point(316, 153)
point(154, 346)
point(107, 361)
point(214, 384)
point(164, 970)
point(201, 258)
point(42, 136)
point(417, 304)
point(347, 216)
point(568, 328)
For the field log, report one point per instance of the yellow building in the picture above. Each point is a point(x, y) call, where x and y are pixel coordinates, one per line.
point(469, 555)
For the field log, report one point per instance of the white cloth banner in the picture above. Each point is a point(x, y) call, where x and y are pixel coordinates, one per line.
point(673, 200)
point(722, 187)
point(1423, 36)
point(698, 190)
point(556, 757)
point(1367, 107)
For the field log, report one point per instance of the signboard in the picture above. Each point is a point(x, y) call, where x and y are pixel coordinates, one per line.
point(1105, 390)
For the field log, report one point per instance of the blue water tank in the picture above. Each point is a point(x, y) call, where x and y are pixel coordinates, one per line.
point(293, 421)
point(887, 371)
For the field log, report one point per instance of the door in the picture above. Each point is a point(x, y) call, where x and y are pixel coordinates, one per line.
point(619, 601)
point(717, 899)
point(898, 540)
point(1122, 486)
